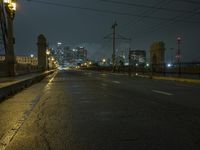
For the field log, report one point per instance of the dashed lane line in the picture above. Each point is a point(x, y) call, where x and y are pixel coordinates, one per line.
point(162, 92)
point(117, 82)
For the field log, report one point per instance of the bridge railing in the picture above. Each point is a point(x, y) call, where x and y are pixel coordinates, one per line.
point(23, 65)
point(185, 69)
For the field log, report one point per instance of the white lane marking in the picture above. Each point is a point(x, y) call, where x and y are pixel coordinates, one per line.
point(52, 77)
point(103, 74)
point(117, 82)
point(103, 84)
point(162, 92)
point(88, 73)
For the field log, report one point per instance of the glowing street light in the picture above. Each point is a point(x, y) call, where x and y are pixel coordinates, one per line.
point(104, 60)
point(7, 1)
point(47, 57)
point(48, 52)
point(169, 65)
point(10, 8)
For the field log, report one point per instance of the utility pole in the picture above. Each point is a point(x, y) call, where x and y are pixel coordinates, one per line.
point(114, 38)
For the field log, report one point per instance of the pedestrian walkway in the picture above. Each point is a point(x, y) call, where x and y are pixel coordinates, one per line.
point(12, 85)
point(6, 81)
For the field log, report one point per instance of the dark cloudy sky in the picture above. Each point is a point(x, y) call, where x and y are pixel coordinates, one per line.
point(86, 22)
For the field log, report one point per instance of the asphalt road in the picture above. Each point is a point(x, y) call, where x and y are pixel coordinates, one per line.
point(77, 110)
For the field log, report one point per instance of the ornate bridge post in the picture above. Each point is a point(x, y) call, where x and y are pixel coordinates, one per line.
point(42, 58)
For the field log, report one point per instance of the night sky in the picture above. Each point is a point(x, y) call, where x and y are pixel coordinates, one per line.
point(87, 22)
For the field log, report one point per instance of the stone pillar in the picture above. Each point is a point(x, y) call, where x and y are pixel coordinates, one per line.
point(42, 58)
point(157, 56)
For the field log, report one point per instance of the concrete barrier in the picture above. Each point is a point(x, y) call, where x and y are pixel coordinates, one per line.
point(15, 87)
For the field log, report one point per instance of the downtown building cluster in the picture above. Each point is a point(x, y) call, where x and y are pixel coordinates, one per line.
point(69, 57)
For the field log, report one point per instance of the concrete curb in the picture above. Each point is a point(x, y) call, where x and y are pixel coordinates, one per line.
point(14, 88)
point(196, 81)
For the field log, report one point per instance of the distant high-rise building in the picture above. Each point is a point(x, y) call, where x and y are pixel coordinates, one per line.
point(137, 57)
point(120, 58)
point(59, 54)
point(69, 55)
point(81, 54)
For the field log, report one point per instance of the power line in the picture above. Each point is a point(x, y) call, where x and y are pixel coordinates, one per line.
point(147, 6)
point(189, 1)
point(107, 11)
point(161, 25)
point(148, 11)
point(171, 21)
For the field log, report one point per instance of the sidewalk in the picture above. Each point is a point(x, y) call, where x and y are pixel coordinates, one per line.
point(11, 85)
point(5, 81)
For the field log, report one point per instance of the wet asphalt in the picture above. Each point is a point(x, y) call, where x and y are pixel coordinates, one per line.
point(84, 110)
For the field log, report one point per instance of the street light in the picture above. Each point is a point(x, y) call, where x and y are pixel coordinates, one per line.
point(178, 51)
point(169, 65)
point(10, 7)
point(48, 52)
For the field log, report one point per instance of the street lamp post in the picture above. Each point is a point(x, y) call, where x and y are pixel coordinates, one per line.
point(47, 58)
point(10, 7)
point(171, 55)
point(178, 56)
